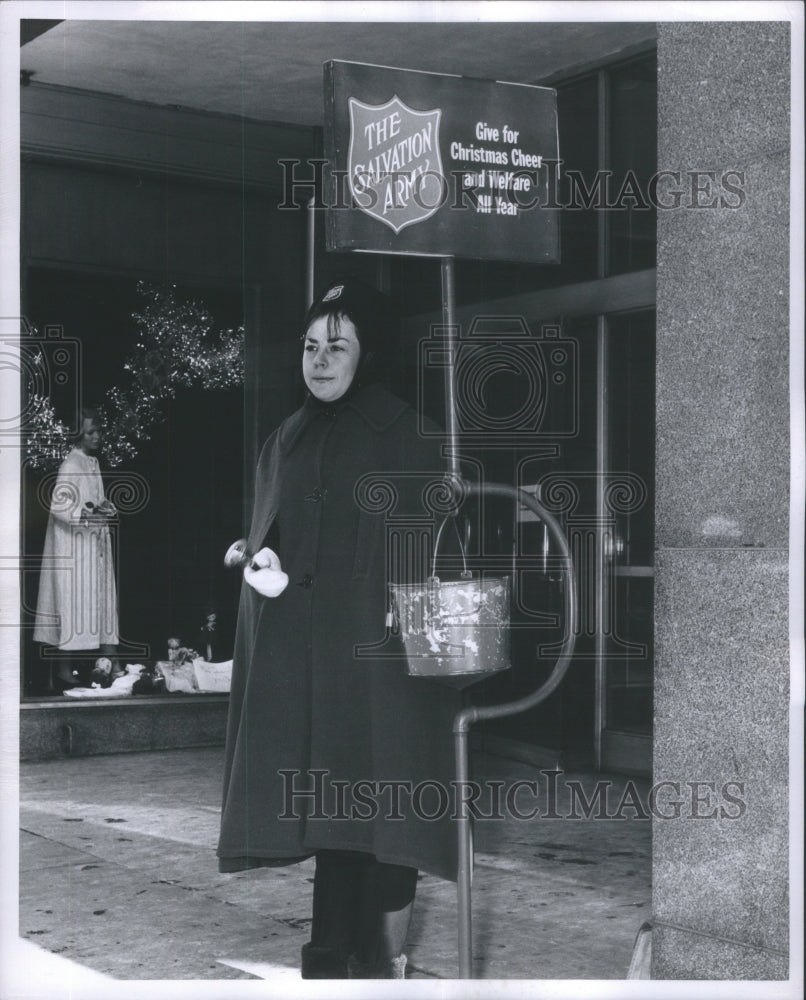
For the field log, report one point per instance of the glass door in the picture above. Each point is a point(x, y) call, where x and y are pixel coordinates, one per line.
point(625, 507)
point(592, 466)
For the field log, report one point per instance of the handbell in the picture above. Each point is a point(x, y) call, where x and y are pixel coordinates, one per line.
point(238, 555)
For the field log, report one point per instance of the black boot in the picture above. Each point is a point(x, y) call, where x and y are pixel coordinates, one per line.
point(322, 963)
point(335, 907)
point(393, 968)
point(388, 900)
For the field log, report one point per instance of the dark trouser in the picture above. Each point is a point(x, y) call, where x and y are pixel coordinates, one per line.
point(361, 906)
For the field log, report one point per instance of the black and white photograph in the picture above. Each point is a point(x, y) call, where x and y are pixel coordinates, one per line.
point(402, 464)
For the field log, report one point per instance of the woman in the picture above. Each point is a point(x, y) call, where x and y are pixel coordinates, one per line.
point(322, 710)
point(77, 604)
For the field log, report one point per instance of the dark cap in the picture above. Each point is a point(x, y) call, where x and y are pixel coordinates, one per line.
point(370, 312)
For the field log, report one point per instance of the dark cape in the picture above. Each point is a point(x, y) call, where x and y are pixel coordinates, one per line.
point(321, 698)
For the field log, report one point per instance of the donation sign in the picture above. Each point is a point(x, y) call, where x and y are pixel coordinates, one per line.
point(429, 164)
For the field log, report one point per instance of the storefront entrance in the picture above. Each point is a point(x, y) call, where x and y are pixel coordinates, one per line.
point(600, 299)
point(592, 464)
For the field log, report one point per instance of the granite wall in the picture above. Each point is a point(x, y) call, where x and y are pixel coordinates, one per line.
point(720, 870)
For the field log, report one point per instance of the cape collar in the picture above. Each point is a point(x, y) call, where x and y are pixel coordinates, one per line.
point(376, 405)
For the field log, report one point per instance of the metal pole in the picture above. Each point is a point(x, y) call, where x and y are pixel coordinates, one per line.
point(464, 871)
point(464, 831)
point(600, 555)
point(310, 254)
point(467, 716)
point(449, 332)
point(464, 719)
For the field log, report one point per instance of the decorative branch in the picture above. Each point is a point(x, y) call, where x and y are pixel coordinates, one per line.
point(177, 347)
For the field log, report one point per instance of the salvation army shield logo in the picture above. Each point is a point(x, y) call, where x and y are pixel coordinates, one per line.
point(394, 166)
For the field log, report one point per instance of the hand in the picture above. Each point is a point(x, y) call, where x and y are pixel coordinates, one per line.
point(93, 518)
point(266, 559)
point(268, 579)
point(97, 513)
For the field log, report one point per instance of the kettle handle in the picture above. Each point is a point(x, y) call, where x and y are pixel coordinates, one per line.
point(466, 573)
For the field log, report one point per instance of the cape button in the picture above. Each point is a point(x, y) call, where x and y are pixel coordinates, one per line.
point(318, 494)
point(306, 581)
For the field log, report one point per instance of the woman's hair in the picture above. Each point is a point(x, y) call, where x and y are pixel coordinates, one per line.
point(370, 313)
point(87, 413)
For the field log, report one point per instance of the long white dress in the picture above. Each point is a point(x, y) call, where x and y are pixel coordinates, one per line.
point(77, 606)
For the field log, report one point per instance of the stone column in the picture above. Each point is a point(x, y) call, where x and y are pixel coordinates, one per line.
point(720, 884)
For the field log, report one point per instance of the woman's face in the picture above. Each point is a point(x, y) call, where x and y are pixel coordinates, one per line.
point(90, 437)
point(328, 366)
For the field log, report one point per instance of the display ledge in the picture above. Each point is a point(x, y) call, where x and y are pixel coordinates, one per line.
point(61, 700)
point(60, 726)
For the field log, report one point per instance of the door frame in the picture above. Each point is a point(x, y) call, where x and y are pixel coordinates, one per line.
point(623, 293)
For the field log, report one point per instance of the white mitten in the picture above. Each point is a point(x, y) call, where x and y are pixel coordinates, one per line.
point(269, 579)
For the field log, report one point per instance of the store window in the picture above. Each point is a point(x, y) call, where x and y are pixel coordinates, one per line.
point(178, 475)
point(632, 114)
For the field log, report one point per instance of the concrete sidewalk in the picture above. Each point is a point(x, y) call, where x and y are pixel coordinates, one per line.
point(118, 873)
